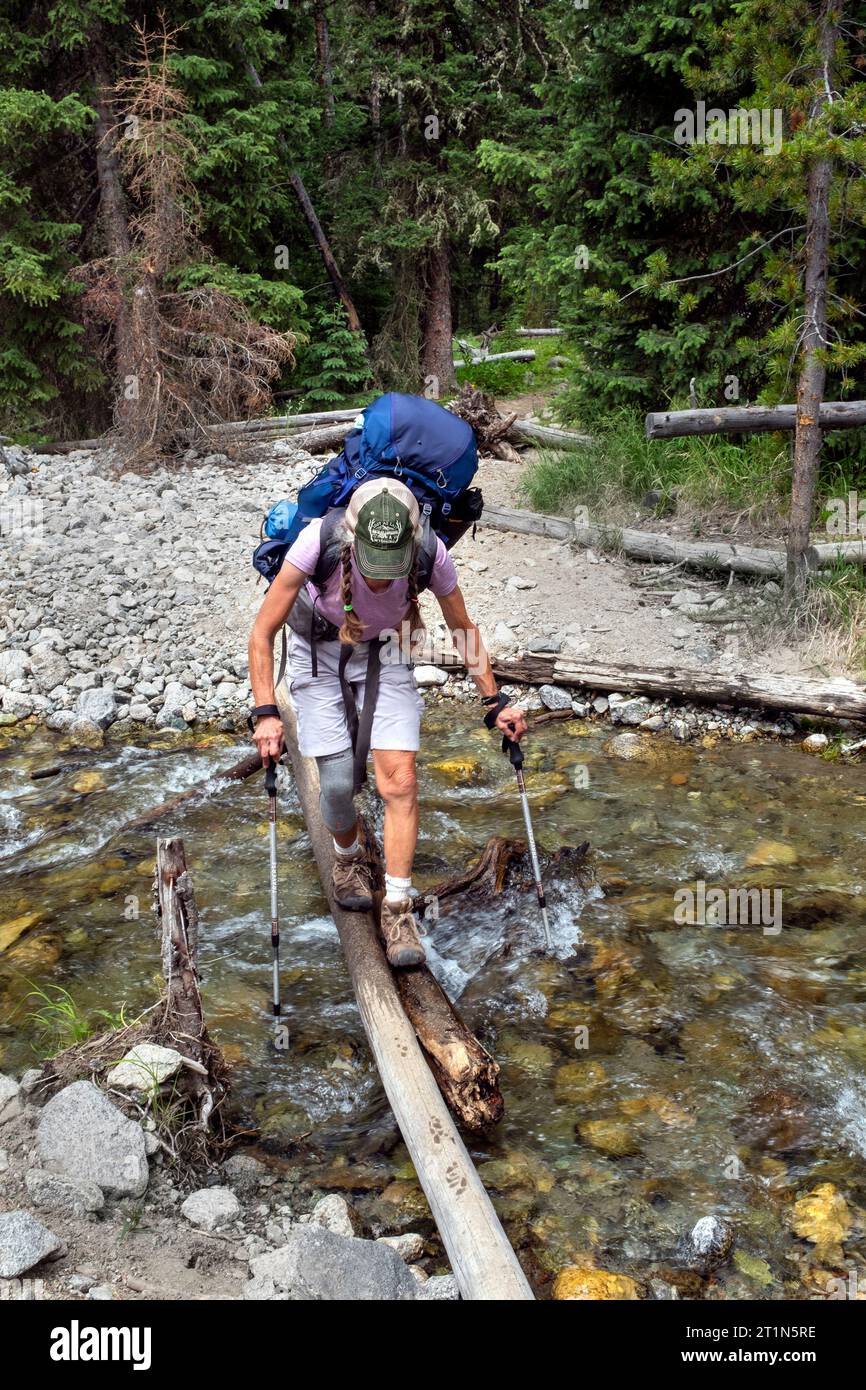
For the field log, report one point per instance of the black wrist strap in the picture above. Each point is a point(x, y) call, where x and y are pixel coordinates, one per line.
point(262, 712)
point(500, 702)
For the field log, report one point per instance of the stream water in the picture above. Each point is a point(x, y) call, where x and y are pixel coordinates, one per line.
point(654, 1071)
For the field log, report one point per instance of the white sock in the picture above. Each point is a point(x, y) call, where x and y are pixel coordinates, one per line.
point(346, 852)
point(397, 889)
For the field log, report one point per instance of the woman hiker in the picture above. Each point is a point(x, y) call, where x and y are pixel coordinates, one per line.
point(369, 600)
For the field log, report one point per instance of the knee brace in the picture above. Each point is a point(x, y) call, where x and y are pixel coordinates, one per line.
point(336, 790)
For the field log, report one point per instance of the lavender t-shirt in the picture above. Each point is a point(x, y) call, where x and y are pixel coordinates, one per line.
point(378, 612)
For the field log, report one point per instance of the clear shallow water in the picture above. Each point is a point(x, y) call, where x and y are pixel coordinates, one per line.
point(724, 1071)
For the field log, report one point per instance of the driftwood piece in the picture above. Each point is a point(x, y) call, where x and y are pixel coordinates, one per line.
point(237, 773)
point(183, 1019)
point(832, 698)
point(487, 877)
point(649, 545)
point(465, 1072)
point(749, 419)
point(484, 1264)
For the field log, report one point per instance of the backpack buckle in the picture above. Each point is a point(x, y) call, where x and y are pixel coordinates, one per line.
point(360, 473)
point(445, 508)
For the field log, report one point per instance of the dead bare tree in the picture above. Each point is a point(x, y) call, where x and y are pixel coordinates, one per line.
point(198, 356)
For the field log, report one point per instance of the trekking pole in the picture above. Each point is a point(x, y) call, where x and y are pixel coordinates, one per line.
point(515, 753)
point(271, 788)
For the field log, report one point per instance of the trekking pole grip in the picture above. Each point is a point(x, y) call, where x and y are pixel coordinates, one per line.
point(271, 776)
point(514, 751)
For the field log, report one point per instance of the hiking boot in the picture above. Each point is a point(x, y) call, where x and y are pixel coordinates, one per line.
point(352, 882)
point(400, 934)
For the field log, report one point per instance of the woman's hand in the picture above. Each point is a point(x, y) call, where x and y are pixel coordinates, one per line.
point(268, 737)
point(512, 722)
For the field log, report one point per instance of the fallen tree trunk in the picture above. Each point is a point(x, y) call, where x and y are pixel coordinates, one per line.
point(473, 357)
point(290, 422)
point(538, 332)
point(484, 1264)
point(468, 1076)
point(313, 441)
point(245, 768)
point(547, 437)
point(749, 419)
point(650, 545)
point(836, 697)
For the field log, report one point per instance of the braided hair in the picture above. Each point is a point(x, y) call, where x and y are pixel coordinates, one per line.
point(352, 629)
point(416, 622)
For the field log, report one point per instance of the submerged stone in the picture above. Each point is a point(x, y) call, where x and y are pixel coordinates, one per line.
point(771, 854)
point(822, 1217)
point(577, 1283)
point(15, 927)
point(610, 1137)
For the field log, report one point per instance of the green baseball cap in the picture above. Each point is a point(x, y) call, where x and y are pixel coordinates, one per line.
point(384, 532)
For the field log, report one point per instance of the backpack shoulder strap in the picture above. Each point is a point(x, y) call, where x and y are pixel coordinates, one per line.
point(427, 558)
point(329, 547)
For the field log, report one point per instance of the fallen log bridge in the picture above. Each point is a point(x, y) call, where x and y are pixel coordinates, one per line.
point(833, 698)
point(484, 1264)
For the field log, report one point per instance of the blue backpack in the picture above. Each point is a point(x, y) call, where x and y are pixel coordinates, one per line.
point(406, 437)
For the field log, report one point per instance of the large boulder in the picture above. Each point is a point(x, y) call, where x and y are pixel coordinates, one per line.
point(86, 1138)
point(318, 1266)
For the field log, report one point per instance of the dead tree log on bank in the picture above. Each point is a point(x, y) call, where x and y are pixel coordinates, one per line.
point(484, 1264)
point(834, 698)
point(651, 545)
point(547, 437)
point(538, 332)
point(749, 419)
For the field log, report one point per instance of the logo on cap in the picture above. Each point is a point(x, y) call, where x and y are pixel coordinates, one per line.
point(385, 531)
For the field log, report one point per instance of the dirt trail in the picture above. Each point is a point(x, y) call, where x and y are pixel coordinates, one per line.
point(605, 608)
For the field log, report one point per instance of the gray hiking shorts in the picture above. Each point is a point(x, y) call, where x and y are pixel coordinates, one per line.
point(320, 709)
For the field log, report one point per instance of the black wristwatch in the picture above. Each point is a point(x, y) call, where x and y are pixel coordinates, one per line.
point(262, 712)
